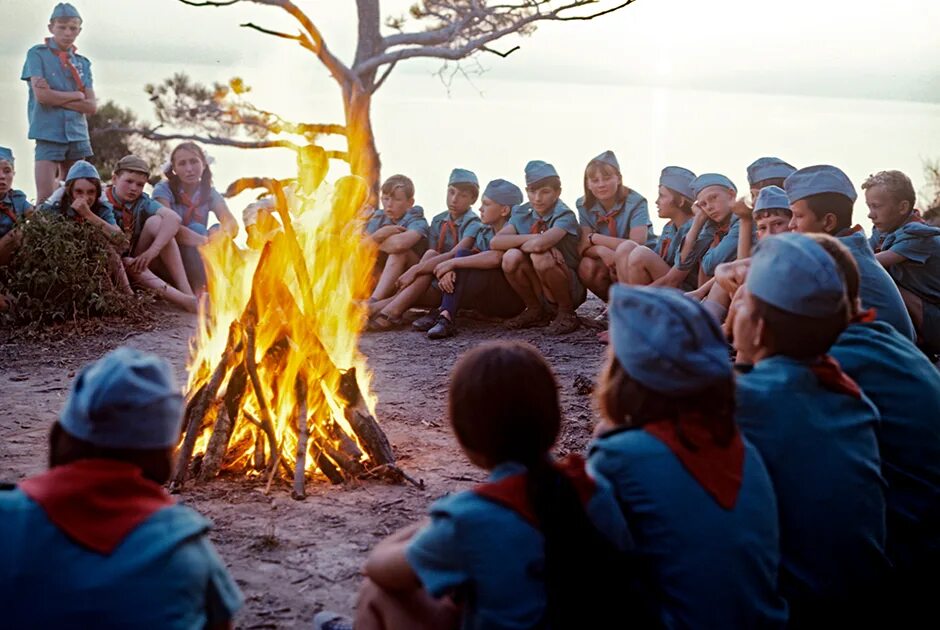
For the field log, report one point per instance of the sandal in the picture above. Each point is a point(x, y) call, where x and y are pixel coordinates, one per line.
point(382, 321)
point(565, 322)
point(529, 318)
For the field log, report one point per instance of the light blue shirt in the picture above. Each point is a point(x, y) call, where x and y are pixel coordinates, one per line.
point(524, 219)
point(55, 124)
point(727, 249)
point(203, 206)
point(466, 226)
point(16, 202)
point(136, 213)
point(412, 220)
point(919, 243)
point(632, 212)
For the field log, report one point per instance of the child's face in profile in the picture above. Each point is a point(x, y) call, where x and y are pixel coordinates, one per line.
point(459, 201)
point(886, 212)
point(804, 220)
point(129, 185)
point(491, 212)
point(6, 177)
point(716, 203)
point(65, 31)
point(542, 198)
point(667, 203)
point(395, 204)
point(770, 224)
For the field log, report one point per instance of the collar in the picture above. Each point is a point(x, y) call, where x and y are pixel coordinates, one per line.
point(506, 469)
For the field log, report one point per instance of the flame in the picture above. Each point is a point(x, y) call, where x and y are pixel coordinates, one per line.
point(301, 300)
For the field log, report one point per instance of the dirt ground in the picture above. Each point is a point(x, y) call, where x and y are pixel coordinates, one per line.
point(294, 558)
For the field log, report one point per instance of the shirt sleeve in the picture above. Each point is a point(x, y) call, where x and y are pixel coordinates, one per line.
point(584, 217)
point(698, 250)
point(915, 249)
point(471, 229)
point(640, 216)
point(419, 225)
point(33, 65)
point(434, 555)
point(726, 250)
point(88, 79)
point(162, 190)
point(107, 213)
point(152, 207)
point(223, 598)
point(568, 222)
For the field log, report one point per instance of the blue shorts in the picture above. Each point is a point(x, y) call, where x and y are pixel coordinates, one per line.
point(62, 151)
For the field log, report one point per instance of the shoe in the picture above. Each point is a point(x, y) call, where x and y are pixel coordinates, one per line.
point(529, 318)
point(565, 322)
point(425, 322)
point(380, 322)
point(442, 329)
point(328, 620)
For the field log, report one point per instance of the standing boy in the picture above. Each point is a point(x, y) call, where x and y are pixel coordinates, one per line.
point(541, 253)
point(61, 94)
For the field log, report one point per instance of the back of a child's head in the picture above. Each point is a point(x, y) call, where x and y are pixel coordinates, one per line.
point(800, 336)
point(846, 263)
point(832, 203)
point(399, 182)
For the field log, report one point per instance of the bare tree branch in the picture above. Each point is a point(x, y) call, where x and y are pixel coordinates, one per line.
point(151, 134)
point(501, 54)
point(299, 38)
point(384, 76)
point(210, 3)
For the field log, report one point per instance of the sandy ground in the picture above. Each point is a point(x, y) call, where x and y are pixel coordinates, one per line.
point(294, 558)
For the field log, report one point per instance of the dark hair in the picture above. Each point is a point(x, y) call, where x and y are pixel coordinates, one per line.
point(799, 336)
point(846, 262)
point(772, 212)
point(589, 198)
point(682, 202)
point(67, 197)
point(931, 213)
point(467, 187)
point(773, 181)
point(156, 464)
point(553, 182)
point(395, 182)
point(205, 184)
point(835, 204)
point(627, 402)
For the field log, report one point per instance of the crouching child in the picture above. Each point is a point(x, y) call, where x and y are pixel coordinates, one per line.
point(13, 207)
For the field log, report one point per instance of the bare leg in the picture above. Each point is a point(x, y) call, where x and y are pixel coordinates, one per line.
point(595, 275)
point(915, 306)
point(378, 609)
point(118, 274)
point(408, 297)
point(622, 259)
point(555, 277)
point(149, 280)
point(185, 236)
point(396, 265)
point(645, 266)
point(45, 172)
point(522, 278)
point(378, 305)
point(169, 255)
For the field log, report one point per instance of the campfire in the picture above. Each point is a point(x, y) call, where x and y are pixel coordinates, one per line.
point(277, 386)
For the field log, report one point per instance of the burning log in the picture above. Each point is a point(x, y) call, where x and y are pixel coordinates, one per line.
point(303, 436)
point(363, 424)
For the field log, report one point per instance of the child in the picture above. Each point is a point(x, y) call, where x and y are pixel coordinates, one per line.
point(909, 249)
point(13, 207)
point(767, 171)
point(61, 94)
point(610, 214)
point(696, 496)
point(640, 265)
point(821, 199)
point(451, 231)
point(474, 277)
point(932, 216)
point(815, 430)
point(96, 540)
point(188, 191)
point(400, 232)
point(541, 253)
point(893, 373)
point(532, 547)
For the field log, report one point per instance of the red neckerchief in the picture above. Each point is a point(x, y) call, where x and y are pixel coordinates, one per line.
point(864, 317)
point(7, 207)
point(127, 216)
point(96, 502)
point(664, 244)
point(191, 209)
point(720, 232)
point(718, 469)
point(831, 377)
point(609, 219)
point(447, 227)
point(538, 227)
point(65, 61)
point(510, 492)
point(849, 231)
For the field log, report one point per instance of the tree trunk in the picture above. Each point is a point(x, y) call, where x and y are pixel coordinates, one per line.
point(363, 156)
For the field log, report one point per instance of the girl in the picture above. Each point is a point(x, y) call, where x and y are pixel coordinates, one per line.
point(188, 191)
point(696, 495)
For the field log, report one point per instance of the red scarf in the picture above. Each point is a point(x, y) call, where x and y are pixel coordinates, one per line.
point(610, 220)
point(447, 227)
point(127, 216)
point(864, 317)
point(192, 209)
point(8, 210)
point(720, 232)
point(65, 60)
point(718, 469)
point(538, 227)
point(96, 502)
point(664, 244)
point(510, 492)
point(831, 377)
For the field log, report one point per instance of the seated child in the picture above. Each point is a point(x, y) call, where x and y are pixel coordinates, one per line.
point(96, 540)
point(610, 214)
point(893, 373)
point(821, 199)
point(474, 278)
point(13, 207)
point(640, 265)
point(696, 495)
point(815, 430)
point(767, 171)
point(400, 232)
point(473, 563)
point(453, 230)
point(541, 253)
point(188, 191)
point(61, 94)
point(932, 216)
point(909, 249)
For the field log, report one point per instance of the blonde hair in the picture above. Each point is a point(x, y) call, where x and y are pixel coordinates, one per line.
point(897, 184)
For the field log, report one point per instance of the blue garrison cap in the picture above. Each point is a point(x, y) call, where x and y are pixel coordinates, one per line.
point(816, 180)
point(702, 182)
point(6, 154)
point(768, 168)
point(608, 157)
point(666, 341)
point(463, 176)
point(537, 170)
point(771, 198)
point(126, 399)
point(794, 273)
point(82, 170)
point(678, 179)
point(64, 10)
point(503, 192)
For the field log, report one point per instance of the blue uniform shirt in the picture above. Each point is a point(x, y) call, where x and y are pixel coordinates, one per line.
point(669, 242)
point(877, 290)
point(446, 232)
point(905, 387)
point(727, 249)
point(165, 574)
point(525, 219)
point(413, 220)
point(481, 243)
point(134, 214)
point(693, 261)
point(631, 213)
point(489, 550)
point(14, 203)
point(103, 209)
point(55, 124)
point(821, 451)
point(711, 567)
point(200, 218)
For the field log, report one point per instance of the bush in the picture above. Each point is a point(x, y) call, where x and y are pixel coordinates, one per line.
point(60, 273)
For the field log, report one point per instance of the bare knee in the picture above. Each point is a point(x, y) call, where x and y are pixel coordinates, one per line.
point(513, 260)
point(543, 261)
point(640, 256)
point(589, 267)
point(428, 255)
point(625, 249)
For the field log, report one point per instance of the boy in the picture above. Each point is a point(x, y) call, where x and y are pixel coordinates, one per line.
point(400, 232)
point(61, 94)
point(13, 207)
point(475, 277)
point(96, 541)
point(821, 200)
point(541, 253)
point(767, 171)
point(450, 231)
point(908, 248)
point(815, 430)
